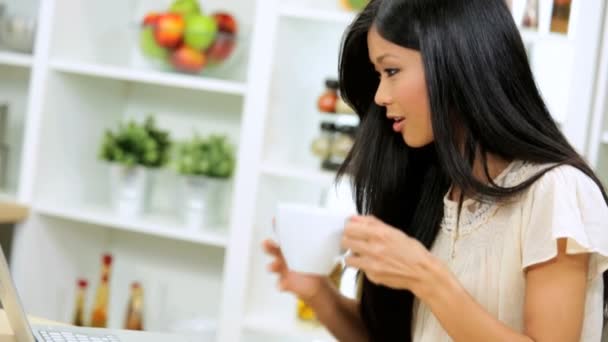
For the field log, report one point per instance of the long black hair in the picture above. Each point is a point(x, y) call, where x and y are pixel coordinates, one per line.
point(482, 97)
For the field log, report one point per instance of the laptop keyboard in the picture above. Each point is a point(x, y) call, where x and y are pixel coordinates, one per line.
point(65, 336)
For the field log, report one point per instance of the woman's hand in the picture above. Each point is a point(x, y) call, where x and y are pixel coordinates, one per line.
point(305, 286)
point(389, 257)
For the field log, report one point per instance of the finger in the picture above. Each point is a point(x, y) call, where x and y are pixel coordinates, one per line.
point(356, 246)
point(357, 261)
point(357, 230)
point(278, 266)
point(272, 248)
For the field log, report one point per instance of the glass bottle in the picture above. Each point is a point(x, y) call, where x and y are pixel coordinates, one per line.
point(560, 17)
point(327, 101)
point(81, 292)
point(134, 319)
point(321, 146)
point(99, 315)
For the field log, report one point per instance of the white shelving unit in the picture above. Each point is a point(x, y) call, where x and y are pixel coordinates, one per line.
point(328, 14)
point(15, 59)
point(598, 136)
point(288, 328)
point(150, 77)
point(311, 175)
point(155, 225)
point(85, 77)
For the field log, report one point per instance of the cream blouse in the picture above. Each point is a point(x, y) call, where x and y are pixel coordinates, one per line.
point(494, 243)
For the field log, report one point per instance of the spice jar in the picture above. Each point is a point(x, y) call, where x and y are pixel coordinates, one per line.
point(322, 145)
point(342, 107)
point(343, 142)
point(327, 101)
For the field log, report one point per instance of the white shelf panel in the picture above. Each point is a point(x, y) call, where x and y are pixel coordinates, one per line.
point(605, 138)
point(339, 119)
point(150, 77)
point(533, 37)
point(326, 15)
point(298, 173)
point(15, 59)
point(286, 326)
point(8, 197)
point(165, 227)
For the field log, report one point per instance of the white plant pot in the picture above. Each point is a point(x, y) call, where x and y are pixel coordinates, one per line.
point(128, 186)
point(205, 201)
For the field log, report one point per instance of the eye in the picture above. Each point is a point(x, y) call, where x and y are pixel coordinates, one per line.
point(391, 72)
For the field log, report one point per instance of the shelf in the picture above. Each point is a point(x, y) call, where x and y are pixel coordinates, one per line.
point(605, 138)
point(15, 59)
point(533, 37)
point(286, 326)
point(339, 119)
point(151, 77)
point(165, 227)
point(7, 197)
point(327, 15)
point(298, 173)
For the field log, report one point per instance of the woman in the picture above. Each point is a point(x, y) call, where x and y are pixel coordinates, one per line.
point(482, 223)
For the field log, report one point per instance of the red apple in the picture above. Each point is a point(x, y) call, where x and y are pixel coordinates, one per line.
point(222, 48)
point(188, 59)
point(169, 30)
point(225, 22)
point(151, 19)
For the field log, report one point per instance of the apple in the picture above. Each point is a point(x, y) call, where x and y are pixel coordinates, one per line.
point(226, 22)
point(151, 19)
point(222, 48)
point(149, 46)
point(200, 31)
point(185, 7)
point(169, 30)
point(356, 5)
point(188, 59)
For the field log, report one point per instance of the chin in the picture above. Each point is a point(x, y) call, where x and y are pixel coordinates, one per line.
point(416, 142)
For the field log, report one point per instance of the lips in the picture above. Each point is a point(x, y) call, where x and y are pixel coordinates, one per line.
point(398, 123)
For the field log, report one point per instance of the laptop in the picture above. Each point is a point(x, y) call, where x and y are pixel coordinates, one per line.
point(26, 333)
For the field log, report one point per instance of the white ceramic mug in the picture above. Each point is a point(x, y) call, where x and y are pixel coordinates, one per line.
point(310, 237)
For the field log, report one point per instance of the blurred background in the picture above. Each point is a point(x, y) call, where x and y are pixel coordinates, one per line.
point(144, 145)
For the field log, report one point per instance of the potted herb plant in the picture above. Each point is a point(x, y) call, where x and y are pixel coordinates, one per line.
point(205, 164)
point(133, 150)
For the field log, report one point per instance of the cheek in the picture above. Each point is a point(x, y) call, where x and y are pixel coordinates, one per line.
point(414, 103)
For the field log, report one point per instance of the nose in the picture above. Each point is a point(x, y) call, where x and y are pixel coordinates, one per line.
point(382, 97)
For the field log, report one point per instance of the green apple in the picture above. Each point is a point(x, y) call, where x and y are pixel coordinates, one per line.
point(358, 4)
point(149, 46)
point(185, 7)
point(201, 31)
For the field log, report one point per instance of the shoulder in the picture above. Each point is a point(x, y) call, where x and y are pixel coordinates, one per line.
point(564, 183)
point(564, 203)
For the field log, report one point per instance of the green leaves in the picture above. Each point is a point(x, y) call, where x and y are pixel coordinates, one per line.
point(135, 144)
point(212, 156)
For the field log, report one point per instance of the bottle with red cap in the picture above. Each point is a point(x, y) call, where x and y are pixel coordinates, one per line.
point(99, 315)
point(81, 292)
point(134, 319)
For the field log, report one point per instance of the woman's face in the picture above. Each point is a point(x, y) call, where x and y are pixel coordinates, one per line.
point(402, 89)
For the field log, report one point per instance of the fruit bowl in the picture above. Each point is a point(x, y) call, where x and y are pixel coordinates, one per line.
point(184, 39)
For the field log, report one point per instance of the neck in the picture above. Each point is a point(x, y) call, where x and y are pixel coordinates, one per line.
point(495, 164)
